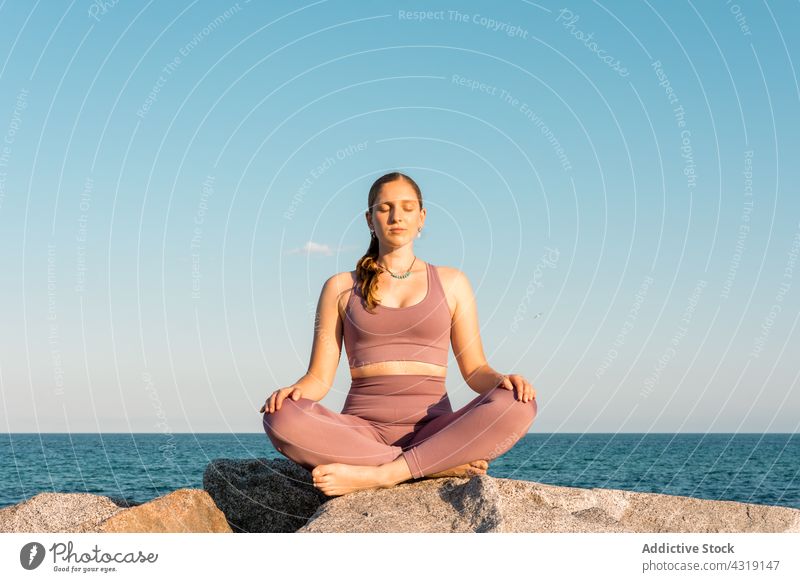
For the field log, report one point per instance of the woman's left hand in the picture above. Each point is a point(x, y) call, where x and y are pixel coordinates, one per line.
point(525, 390)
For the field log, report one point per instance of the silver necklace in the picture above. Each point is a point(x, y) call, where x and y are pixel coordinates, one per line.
point(404, 275)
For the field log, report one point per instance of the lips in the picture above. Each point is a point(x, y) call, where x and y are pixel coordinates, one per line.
point(397, 230)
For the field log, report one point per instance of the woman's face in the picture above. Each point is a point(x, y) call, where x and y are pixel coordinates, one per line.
point(396, 207)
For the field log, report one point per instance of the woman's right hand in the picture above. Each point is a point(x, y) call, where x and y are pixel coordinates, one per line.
point(275, 399)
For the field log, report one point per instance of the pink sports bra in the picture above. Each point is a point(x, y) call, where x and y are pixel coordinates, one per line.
point(419, 332)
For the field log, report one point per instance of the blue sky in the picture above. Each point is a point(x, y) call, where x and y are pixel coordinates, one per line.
point(618, 181)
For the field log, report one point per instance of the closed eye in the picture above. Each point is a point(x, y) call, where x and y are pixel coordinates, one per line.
point(386, 208)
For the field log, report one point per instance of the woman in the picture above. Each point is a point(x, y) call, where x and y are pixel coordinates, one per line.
point(397, 423)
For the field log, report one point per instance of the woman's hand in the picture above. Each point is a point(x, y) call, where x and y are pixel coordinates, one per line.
point(275, 399)
point(525, 390)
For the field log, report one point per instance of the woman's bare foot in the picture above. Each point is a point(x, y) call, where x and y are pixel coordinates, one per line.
point(338, 478)
point(478, 467)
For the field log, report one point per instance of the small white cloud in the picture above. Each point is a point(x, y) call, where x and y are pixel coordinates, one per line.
point(317, 249)
point(312, 248)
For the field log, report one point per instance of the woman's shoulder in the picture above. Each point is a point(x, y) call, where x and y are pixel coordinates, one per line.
point(338, 278)
point(454, 282)
point(342, 281)
point(450, 274)
point(340, 288)
point(339, 285)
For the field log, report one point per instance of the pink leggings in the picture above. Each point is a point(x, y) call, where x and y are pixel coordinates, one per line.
point(402, 414)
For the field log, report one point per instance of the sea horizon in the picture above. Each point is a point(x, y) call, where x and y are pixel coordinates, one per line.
point(137, 467)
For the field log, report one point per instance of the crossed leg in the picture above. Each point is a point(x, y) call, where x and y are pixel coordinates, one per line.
point(344, 452)
point(485, 428)
point(311, 434)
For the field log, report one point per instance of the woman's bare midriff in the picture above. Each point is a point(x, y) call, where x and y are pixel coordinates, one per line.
point(398, 367)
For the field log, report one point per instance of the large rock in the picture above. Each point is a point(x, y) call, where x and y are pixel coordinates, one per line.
point(58, 513)
point(259, 495)
point(185, 510)
point(182, 511)
point(488, 504)
point(429, 505)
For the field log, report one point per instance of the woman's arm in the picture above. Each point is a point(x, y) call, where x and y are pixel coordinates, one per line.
point(327, 347)
point(484, 379)
point(466, 339)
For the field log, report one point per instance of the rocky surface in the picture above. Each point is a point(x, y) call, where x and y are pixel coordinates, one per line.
point(488, 504)
point(57, 513)
point(257, 495)
point(184, 510)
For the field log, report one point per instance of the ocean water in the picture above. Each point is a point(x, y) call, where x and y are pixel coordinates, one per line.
point(752, 468)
